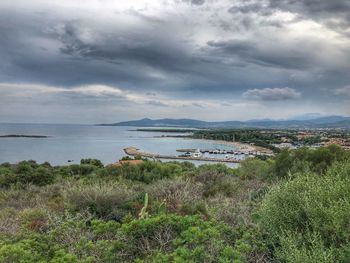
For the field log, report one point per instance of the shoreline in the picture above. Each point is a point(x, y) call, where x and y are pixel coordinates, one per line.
point(239, 146)
point(242, 147)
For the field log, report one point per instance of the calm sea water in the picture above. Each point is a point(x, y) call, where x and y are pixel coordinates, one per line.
point(74, 142)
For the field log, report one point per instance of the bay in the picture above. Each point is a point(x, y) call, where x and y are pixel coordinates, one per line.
point(74, 142)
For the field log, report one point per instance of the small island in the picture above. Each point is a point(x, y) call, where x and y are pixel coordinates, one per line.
point(23, 136)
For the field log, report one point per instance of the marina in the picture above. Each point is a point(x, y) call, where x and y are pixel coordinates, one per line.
point(195, 156)
point(220, 151)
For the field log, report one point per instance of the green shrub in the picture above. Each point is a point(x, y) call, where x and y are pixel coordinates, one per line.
point(175, 193)
point(42, 176)
point(255, 168)
point(79, 170)
point(93, 162)
point(172, 238)
point(20, 252)
point(215, 181)
point(306, 159)
point(7, 177)
point(26, 172)
point(313, 251)
point(218, 168)
point(108, 201)
point(149, 172)
point(308, 214)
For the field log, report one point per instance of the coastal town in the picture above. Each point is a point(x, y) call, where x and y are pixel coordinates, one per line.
point(247, 143)
point(277, 139)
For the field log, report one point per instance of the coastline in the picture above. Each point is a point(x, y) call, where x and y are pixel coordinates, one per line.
point(242, 147)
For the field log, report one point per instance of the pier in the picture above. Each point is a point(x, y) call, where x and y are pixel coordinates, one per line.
point(133, 151)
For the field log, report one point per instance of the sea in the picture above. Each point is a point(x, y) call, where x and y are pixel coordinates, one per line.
point(75, 142)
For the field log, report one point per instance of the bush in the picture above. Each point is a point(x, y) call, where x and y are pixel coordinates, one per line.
point(93, 162)
point(255, 168)
point(78, 170)
point(309, 214)
point(26, 172)
point(102, 200)
point(175, 193)
point(305, 159)
point(7, 177)
point(218, 168)
point(149, 172)
point(34, 219)
point(214, 182)
point(172, 238)
point(18, 253)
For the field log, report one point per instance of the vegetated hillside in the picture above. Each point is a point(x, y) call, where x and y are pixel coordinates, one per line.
point(323, 122)
point(293, 208)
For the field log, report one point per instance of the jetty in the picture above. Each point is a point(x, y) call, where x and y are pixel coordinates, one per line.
point(133, 151)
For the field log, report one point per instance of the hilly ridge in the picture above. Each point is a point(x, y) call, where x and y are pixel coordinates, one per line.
point(322, 122)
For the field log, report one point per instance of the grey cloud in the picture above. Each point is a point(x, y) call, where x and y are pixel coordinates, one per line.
point(344, 91)
point(313, 7)
point(157, 103)
point(198, 2)
point(335, 14)
point(198, 105)
point(251, 7)
point(321, 10)
point(195, 2)
point(252, 52)
point(198, 53)
point(271, 94)
point(144, 49)
point(116, 55)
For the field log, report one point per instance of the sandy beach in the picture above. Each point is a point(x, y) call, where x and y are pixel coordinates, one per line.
point(242, 147)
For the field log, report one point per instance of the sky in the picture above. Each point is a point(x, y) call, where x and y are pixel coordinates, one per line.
point(102, 61)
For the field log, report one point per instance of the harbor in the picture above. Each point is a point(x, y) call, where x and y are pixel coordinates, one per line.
point(195, 156)
point(220, 151)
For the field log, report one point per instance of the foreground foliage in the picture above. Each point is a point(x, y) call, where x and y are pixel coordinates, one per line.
point(293, 208)
point(307, 218)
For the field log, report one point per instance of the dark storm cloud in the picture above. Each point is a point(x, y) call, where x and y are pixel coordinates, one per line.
point(30, 52)
point(320, 10)
point(182, 49)
point(144, 47)
point(313, 7)
point(117, 57)
point(76, 52)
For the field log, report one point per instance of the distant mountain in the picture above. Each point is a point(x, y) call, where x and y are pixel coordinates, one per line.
point(146, 122)
point(323, 122)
